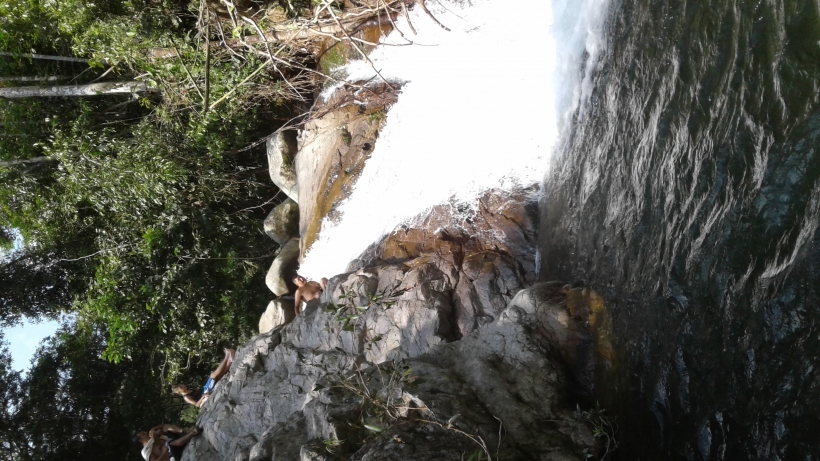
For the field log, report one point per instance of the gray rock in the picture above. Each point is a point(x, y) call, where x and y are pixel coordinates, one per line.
point(309, 385)
point(428, 349)
point(282, 223)
point(282, 149)
point(282, 270)
point(279, 312)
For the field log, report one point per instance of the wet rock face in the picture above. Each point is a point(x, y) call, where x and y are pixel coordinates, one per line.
point(323, 387)
point(333, 148)
point(435, 345)
point(486, 252)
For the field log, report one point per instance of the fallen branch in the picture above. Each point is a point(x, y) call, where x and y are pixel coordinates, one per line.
point(336, 18)
point(188, 73)
point(267, 47)
point(407, 15)
point(424, 7)
point(7, 163)
point(244, 81)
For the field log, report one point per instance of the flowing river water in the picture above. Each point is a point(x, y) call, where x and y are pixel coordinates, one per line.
point(679, 139)
point(687, 194)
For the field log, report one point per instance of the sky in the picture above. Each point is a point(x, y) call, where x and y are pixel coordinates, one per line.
point(24, 339)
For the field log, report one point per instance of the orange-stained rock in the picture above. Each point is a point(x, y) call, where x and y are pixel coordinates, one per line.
point(486, 251)
point(333, 148)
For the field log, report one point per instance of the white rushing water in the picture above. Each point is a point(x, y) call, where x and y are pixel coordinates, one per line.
point(480, 109)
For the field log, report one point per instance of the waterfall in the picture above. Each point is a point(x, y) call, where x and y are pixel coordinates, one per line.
point(481, 107)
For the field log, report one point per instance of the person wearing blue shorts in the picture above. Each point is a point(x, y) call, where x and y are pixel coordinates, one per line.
point(196, 397)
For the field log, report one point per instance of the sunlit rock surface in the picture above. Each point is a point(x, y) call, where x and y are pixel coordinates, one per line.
point(282, 148)
point(310, 386)
point(485, 252)
point(282, 223)
point(279, 312)
point(279, 278)
point(333, 148)
point(433, 345)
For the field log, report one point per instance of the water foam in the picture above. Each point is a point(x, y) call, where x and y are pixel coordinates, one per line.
point(480, 109)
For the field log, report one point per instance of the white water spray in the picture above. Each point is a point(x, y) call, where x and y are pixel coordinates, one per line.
point(480, 109)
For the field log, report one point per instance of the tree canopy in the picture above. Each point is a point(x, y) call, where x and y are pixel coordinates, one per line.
point(140, 215)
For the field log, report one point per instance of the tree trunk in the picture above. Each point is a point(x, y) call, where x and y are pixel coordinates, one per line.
point(36, 78)
point(43, 56)
point(92, 89)
point(6, 163)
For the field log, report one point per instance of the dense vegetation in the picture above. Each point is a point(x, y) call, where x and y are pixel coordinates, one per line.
point(140, 214)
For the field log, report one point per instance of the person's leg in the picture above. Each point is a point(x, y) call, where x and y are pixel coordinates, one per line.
point(176, 446)
point(184, 439)
point(224, 366)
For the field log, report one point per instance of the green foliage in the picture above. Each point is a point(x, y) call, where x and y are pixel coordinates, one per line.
point(376, 117)
point(189, 415)
point(603, 426)
point(10, 392)
point(332, 445)
point(143, 223)
point(352, 308)
point(70, 402)
point(35, 283)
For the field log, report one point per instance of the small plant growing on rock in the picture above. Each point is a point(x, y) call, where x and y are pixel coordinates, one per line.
point(332, 445)
point(603, 426)
point(349, 312)
point(376, 117)
point(346, 136)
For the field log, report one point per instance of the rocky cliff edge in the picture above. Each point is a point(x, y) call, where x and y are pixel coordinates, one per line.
point(436, 345)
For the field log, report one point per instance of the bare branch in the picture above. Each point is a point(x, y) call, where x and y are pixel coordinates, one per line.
point(360, 50)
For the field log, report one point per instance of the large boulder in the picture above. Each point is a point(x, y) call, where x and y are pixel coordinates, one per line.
point(315, 389)
point(282, 149)
point(279, 312)
point(282, 223)
point(279, 278)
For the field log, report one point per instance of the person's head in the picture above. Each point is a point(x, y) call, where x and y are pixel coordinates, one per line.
point(299, 281)
point(180, 389)
point(142, 437)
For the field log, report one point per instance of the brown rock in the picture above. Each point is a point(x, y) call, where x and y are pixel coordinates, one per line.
point(487, 252)
point(333, 149)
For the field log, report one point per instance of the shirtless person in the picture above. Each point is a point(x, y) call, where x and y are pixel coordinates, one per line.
point(165, 442)
point(307, 291)
point(196, 397)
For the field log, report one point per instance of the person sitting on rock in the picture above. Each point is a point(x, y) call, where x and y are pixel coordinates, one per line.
point(196, 397)
point(308, 291)
point(165, 442)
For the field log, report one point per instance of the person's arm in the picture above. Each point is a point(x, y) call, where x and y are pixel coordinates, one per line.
point(202, 400)
point(190, 400)
point(297, 302)
point(171, 428)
